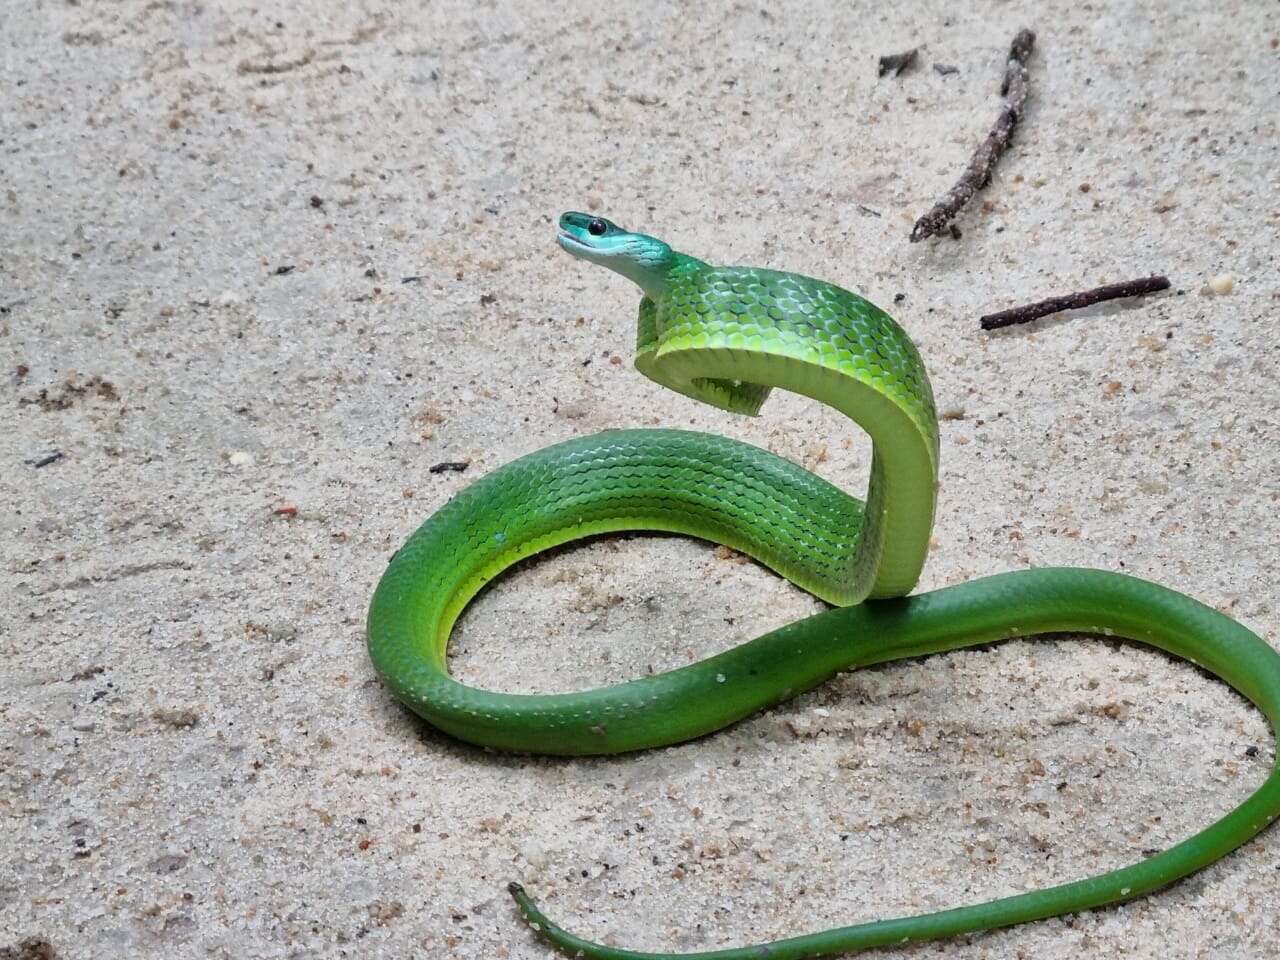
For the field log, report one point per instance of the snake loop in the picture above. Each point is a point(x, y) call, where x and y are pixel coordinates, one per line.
point(727, 336)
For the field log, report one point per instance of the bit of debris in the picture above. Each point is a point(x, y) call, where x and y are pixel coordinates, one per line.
point(383, 912)
point(896, 63)
point(487, 298)
point(282, 66)
point(978, 173)
point(945, 69)
point(1222, 284)
point(73, 389)
point(286, 510)
point(414, 279)
point(453, 466)
point(168, 863)
point(1074, 301)
point(30, 948)
point(183, 718)
point(46, 460)
point(285, 269)
point(317, 202)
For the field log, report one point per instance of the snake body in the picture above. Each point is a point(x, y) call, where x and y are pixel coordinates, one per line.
point(727, 336)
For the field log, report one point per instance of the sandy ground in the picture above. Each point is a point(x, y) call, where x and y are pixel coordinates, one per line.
point(207, 212)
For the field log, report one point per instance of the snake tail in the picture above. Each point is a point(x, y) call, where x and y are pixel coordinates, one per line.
point(1032, 602)
point(727, 336)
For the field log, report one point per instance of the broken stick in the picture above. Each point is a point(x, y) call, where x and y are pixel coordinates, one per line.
point(1073, 301)
point(978, 173)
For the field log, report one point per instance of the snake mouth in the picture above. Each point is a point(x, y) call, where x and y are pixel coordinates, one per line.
point(565, 237)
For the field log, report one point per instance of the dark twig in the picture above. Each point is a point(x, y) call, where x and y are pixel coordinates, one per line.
point(895, 63)
point(978, 173)
point(1073, 301)
point(47, 459)
point(456, 466)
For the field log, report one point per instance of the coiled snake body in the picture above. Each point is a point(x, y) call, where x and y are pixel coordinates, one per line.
point(726, 336)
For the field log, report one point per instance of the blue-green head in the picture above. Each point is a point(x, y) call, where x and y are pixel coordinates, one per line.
point(642, 259)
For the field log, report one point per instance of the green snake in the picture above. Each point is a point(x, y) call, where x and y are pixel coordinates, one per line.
point(727, 336)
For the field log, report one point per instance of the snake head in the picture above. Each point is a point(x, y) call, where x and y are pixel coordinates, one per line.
point(581, 232)
point(642, 259)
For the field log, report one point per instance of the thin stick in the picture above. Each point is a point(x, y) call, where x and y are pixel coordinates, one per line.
point(453, 466)
point(1073, 301)
point(978, 173)
point(46, 460)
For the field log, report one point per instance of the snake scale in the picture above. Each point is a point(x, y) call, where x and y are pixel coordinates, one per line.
point(727, 336)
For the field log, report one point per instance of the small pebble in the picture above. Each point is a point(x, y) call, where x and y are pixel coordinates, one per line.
point(1222, 283)
point(83, 725)
point(240, 459)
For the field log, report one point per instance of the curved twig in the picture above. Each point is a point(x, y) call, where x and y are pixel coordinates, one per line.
point(978, 173)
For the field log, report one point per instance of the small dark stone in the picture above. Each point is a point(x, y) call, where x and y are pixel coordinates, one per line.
point(896, 63)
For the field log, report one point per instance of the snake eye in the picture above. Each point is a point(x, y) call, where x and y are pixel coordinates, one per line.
point(597, 227)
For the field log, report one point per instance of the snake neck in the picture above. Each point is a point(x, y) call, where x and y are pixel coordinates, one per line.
point(657, 278)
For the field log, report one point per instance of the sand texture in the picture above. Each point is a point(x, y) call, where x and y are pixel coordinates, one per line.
point(262, 266)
